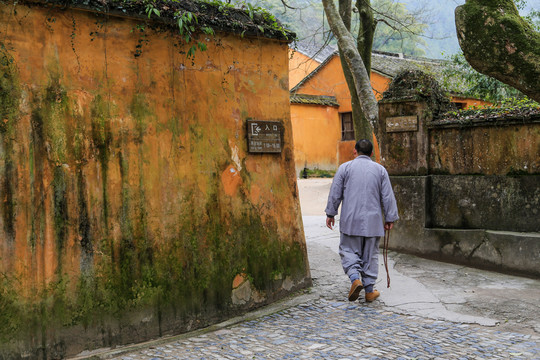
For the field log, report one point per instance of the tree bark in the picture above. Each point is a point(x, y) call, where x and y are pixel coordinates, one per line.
point(354, 61)
point(366, 32)
point(497, 42)
point(362, 127)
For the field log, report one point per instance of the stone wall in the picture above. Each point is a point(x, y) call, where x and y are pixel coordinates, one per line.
point(404, 152)
point(492, 202)
point(439, 220)
point(131, 207)
point(467, 191)
point(495, 146)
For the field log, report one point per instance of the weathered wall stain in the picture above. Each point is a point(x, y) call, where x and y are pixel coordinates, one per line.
point(121, 216)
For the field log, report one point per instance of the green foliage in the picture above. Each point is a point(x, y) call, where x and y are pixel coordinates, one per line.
point(510, 107)
point(459, 75)
point(151, 9)
point(316, 173)
point(188, 23)
point(533, 18)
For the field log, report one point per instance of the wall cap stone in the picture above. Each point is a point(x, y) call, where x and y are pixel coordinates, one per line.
point(480, 122)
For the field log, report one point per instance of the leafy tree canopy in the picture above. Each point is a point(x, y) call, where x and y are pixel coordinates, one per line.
point(458, 74)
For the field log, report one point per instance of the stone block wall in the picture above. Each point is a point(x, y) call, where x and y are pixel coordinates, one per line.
point(467, 191)
point(495, 146)
point(463, 227)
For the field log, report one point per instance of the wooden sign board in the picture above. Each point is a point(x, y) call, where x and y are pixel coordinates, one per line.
point(402, 123)
point(264, 136)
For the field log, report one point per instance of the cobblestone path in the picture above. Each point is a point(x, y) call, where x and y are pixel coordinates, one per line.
point(323, 329)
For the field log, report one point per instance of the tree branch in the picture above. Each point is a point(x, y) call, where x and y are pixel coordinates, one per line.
point(497, 42)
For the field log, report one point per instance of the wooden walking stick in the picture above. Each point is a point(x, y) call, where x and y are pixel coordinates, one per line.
point(385, 255)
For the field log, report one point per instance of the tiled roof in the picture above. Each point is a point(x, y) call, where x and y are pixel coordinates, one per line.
point(314, 51)
point(391, 64)
point(313, 100)
point(386, 64)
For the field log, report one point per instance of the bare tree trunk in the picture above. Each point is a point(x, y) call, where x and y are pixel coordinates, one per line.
point(355, 64)
point(497, 42)
point(362, 128)
point(366, 32)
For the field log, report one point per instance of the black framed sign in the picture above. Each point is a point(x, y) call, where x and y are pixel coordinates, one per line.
point(264, 136)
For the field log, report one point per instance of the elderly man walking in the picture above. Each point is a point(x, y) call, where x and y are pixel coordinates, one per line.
point(364, 188)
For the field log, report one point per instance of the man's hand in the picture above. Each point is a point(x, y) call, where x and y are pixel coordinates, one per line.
point(388, 225)
point(329, 222)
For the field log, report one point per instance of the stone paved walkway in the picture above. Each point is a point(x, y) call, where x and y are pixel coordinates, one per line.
point(322, 329)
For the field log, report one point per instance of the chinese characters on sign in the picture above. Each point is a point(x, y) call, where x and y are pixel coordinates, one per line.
point(264, 136)
point(402, 123)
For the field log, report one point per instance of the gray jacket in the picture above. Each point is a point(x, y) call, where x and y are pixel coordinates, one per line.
point(365, 190)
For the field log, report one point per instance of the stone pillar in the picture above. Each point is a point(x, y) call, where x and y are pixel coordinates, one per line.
point(403, 136)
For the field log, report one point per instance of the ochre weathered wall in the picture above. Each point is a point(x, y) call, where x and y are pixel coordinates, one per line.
point(300, 66)
point(130, 206)
point(317, 134)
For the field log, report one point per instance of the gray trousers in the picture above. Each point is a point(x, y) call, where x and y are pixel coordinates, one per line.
point(360, 257)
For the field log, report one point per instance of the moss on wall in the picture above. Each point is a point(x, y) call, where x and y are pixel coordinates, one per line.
point(497, 42)
point(126, 215)
point(100, 112)
point(191, 273)
point(10, 95)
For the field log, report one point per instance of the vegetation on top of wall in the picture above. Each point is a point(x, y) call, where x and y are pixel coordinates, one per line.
point(458, 73)
point(508, 109)
point(419, 86)
point(189, 16)
point(317, 173)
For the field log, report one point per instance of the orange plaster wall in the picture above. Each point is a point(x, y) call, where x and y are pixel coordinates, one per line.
point(380, 84)
point(469, 102)
point(330, 81)
point(316, 134)
point(300, 66)
point(143, 154)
